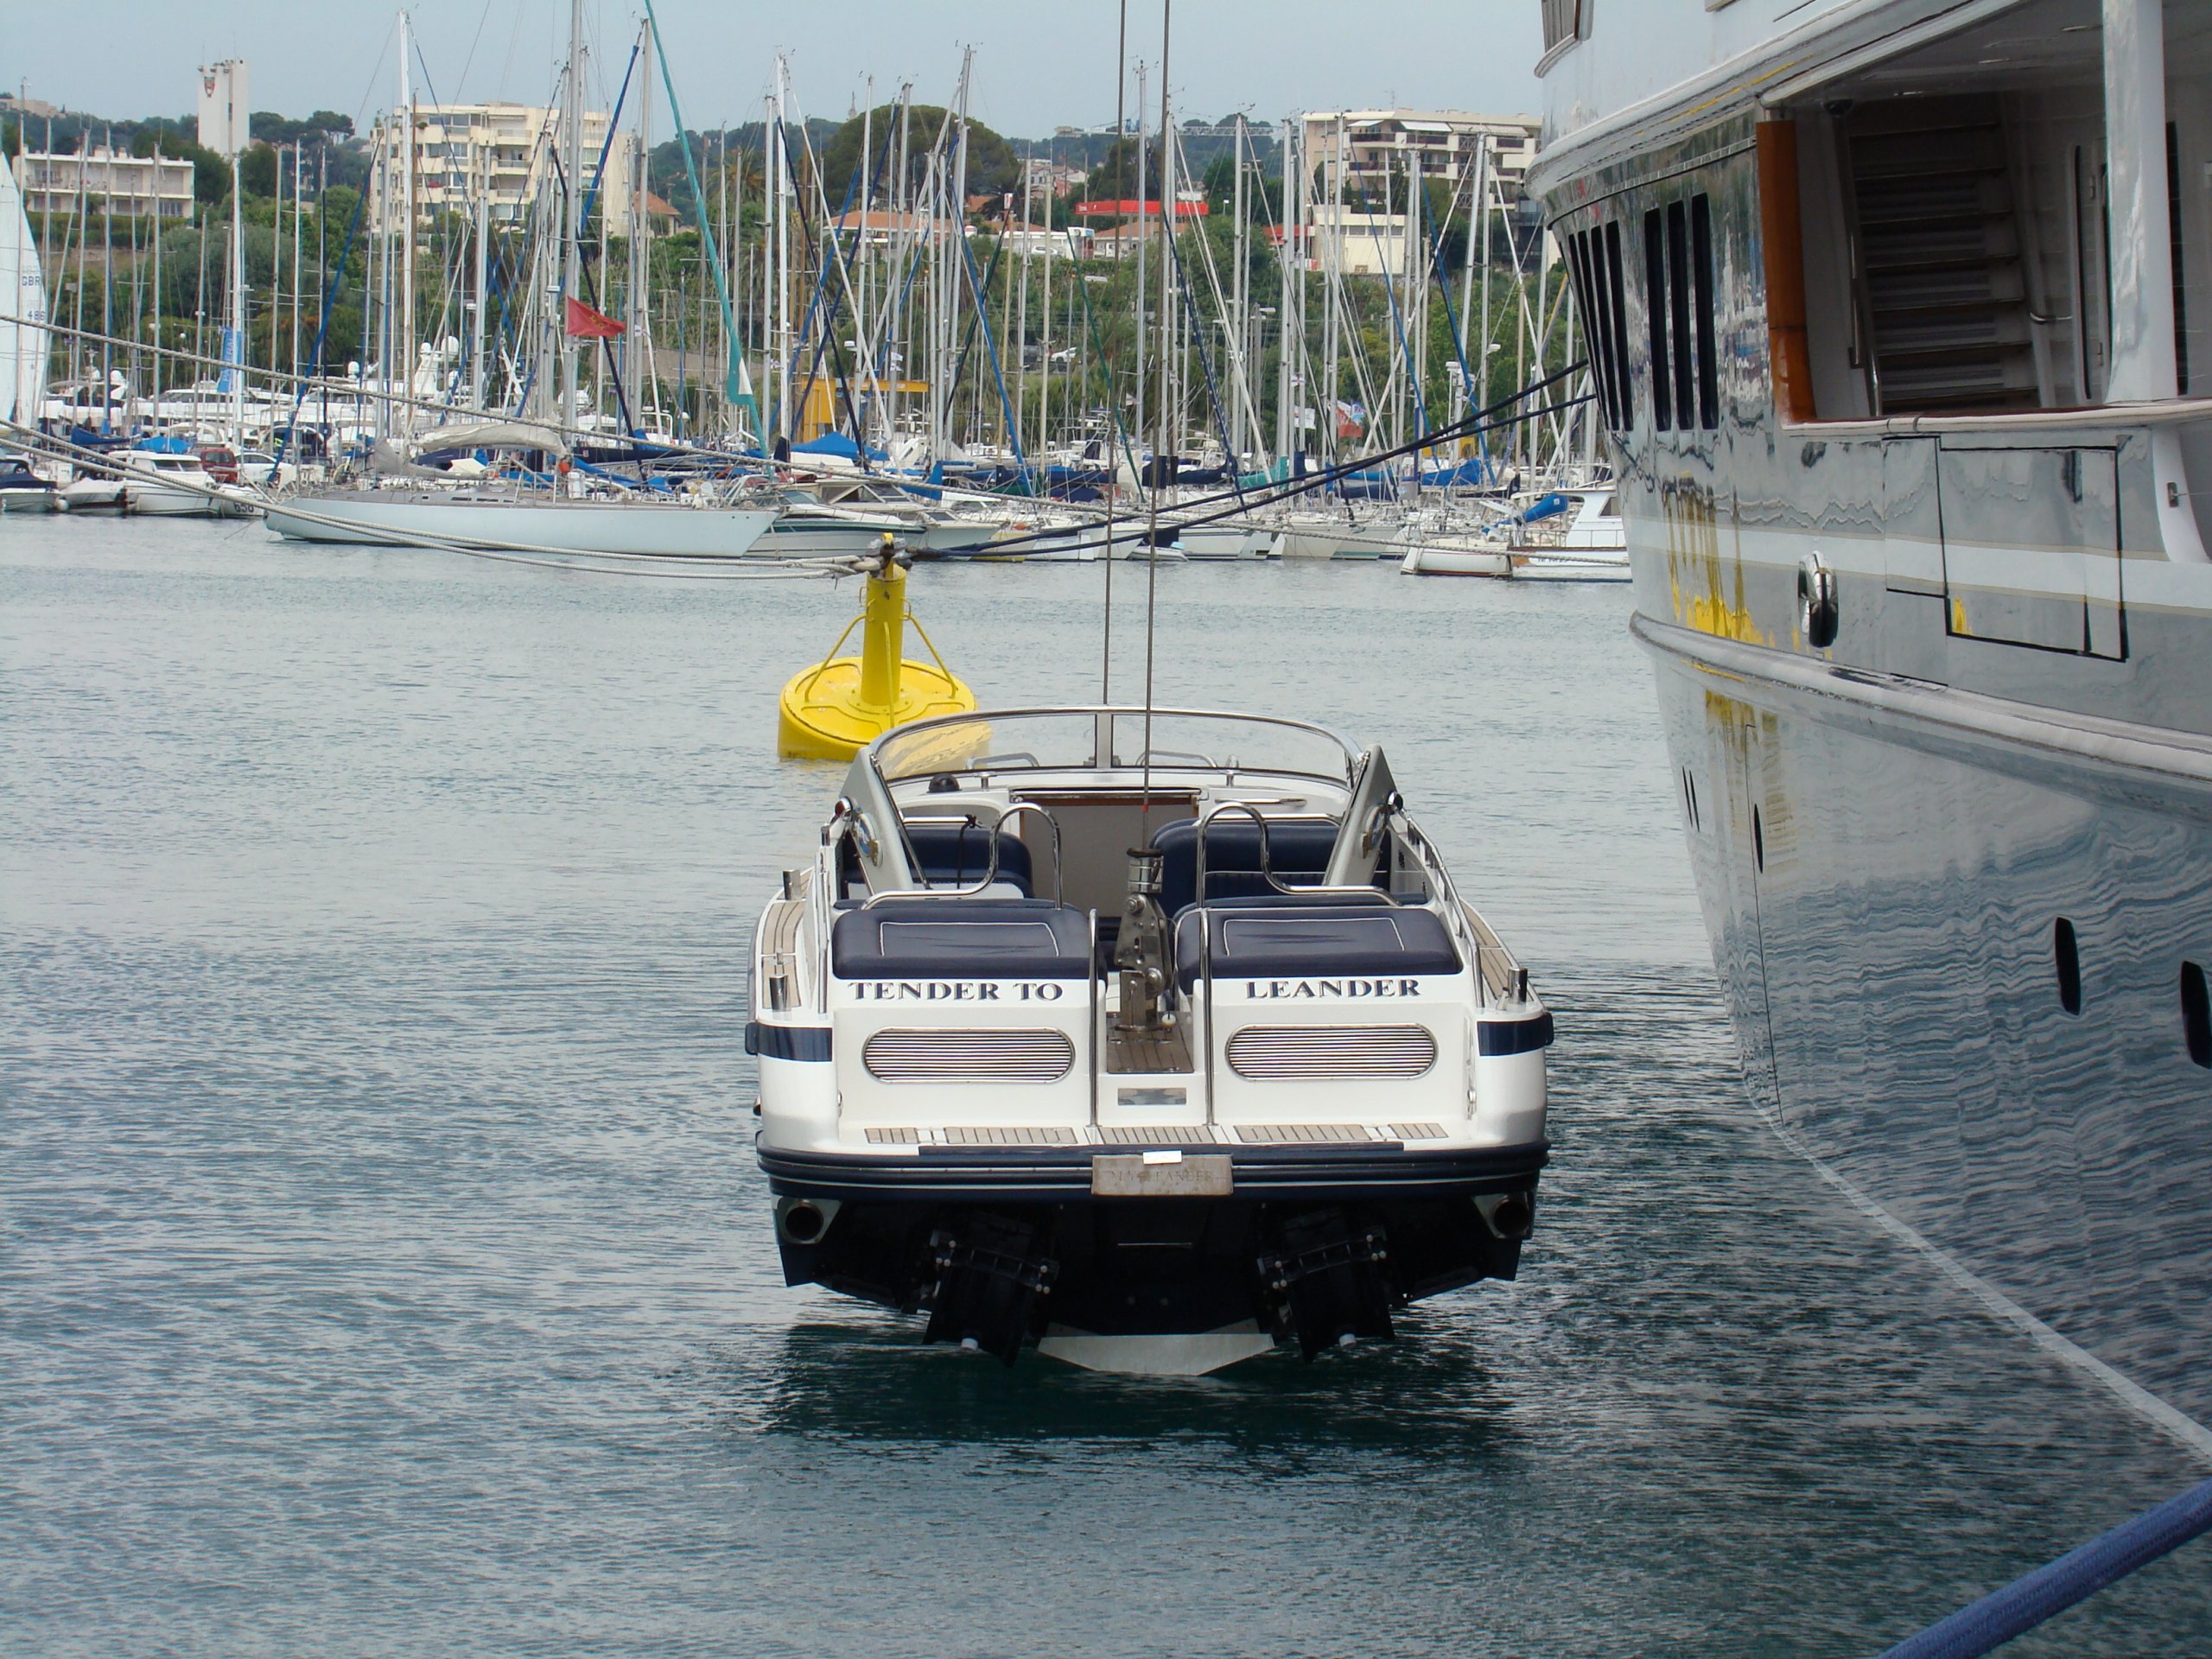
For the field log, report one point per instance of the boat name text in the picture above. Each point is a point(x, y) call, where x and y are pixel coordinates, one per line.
point(955, 990)
point(1283, 990)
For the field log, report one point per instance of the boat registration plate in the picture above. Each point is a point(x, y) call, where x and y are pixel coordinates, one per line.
point(1161, 1175)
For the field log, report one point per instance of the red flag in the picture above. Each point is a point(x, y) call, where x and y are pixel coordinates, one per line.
point(584, 323)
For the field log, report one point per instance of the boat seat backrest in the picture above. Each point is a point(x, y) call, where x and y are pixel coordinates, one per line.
point(956, 852)
point(1315, 941)
point(961, 939)
point(1297, 851)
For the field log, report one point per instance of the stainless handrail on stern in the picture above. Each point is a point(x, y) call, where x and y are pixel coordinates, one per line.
point(991, 870)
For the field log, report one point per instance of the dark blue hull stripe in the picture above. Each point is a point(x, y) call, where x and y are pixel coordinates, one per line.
point(787, 1042)
point(1513, 1036)
point(1492, 1037)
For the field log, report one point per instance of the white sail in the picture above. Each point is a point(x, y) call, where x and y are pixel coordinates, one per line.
point(23, 294)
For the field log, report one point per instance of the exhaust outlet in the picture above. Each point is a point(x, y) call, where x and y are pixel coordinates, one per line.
point(803, 1221)
point(1509, 1215)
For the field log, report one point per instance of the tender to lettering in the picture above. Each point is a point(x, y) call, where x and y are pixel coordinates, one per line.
point(956, 990)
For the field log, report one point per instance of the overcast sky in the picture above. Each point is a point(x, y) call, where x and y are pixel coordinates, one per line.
point(1038, 65)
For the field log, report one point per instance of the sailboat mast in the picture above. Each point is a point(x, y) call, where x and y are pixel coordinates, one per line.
point(237, 259)
point(787, 422)
point(633, 344)
point(1136, 422)
point(572, 227)
point(157, 287)
point(478, 381)
point(299, 157)
point(404, 336)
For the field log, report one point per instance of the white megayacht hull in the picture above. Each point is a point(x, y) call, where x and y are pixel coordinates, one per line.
point(1930, 604)
point(645, 529)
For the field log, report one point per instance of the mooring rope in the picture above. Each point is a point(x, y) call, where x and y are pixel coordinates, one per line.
point(2075, 1576)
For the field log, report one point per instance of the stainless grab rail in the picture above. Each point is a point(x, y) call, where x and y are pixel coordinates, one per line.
point(991, 869)
point(1199, 894)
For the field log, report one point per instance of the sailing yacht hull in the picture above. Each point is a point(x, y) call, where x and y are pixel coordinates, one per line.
point(651, 530)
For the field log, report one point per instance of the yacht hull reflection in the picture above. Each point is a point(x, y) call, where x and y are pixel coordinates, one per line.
point(1886, 910)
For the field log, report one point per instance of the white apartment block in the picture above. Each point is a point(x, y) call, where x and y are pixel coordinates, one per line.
point(99, 180)
point(1378, 147)
point(1360, 245)
point(511, 152)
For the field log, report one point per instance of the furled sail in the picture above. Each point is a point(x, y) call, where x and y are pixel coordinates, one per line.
point(23, 294)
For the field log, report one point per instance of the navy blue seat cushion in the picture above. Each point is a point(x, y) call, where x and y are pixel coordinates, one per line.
point(956, 854)
point(1298, 850)
point(1307, 941)
point(961, 938)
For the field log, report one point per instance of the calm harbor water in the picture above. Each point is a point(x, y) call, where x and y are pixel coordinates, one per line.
point(384, 1268)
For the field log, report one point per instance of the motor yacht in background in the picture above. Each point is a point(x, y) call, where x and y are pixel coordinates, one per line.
point(1155, 1040)
point(1232, 538)
point(24, 490)
point(1563, 535)
point(1897, 311)
point(158, 477)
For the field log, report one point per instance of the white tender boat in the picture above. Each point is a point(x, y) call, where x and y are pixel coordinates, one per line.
point(1342, 534)
point(1229, 539)
point(1155, 1042)
point(1581, 539)
point(159, 482)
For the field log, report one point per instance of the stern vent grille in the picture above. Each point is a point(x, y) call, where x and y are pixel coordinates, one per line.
point(1332, 1053)
point(1038, 1055)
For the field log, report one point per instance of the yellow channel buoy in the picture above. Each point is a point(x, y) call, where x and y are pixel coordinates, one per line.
point(837, 707)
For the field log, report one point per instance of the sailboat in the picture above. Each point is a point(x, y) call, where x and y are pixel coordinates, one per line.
point(585, 511)
point(22, 295)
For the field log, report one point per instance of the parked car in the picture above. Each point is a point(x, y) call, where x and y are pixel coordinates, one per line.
point(261, 470)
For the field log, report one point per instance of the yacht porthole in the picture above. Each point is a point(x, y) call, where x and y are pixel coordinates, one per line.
point(2066, 957)
point(2196, 1013)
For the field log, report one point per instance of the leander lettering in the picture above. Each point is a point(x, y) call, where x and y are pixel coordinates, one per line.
point(1285, 990)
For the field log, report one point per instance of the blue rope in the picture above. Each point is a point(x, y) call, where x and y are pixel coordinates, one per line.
point(2073, 1577)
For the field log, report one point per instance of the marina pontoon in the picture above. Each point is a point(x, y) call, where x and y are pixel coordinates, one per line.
point(1155, 1040)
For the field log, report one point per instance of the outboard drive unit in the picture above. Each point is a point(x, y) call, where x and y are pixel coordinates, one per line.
point(1140, 950)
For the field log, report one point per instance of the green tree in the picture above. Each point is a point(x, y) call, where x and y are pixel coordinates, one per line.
point(994, 167)
point(1115, 178)
point(257, 170)
point(210, 173)
point(1221, 183)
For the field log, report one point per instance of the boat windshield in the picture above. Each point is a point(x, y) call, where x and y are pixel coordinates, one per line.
point(1232, 743)
point(1063, 741)
point(1037, 742)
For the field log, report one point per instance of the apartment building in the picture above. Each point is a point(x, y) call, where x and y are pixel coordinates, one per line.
point(1373, 147)
point(101, 180)
point(512, 151)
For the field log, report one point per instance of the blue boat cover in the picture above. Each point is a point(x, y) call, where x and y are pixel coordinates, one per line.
point(961, 938)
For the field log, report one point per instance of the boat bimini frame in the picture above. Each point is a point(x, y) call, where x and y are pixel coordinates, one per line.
point(1248, 1075)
